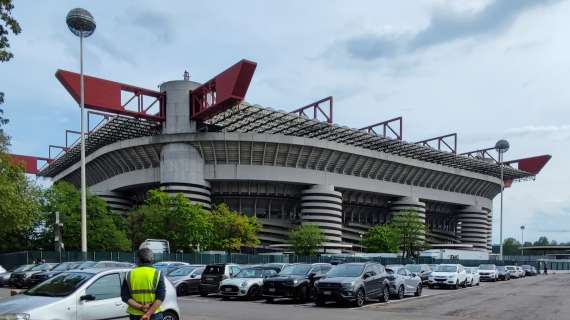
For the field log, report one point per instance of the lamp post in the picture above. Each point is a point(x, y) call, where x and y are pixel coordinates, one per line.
point(82, 24)
point(501, 146)
point(361, 247)
point(522, 240)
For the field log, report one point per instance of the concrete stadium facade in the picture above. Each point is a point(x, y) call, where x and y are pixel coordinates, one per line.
point(285, 179)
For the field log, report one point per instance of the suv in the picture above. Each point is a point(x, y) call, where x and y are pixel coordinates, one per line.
point(513, 271)
point(528, 270)
point(503, 273)
point(213, 276)
point(488, 272)
point(403, 282)
point(421, 270)
point(295, 281)
point(353, 282)
point(448, 275)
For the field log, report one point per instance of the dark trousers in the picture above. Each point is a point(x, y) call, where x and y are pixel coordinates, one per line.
point(156, 316)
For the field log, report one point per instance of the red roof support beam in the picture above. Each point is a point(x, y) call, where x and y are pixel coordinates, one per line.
point(318, 110)
point(222, 92)
point(531, 165)
point(28, 163)
point(386, 128)
point(442, 141)
point(104, 95)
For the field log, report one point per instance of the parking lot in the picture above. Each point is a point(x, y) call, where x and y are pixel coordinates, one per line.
point(540, 297)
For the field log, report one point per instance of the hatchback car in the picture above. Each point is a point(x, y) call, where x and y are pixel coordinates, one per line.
point(353, 282)
point(79, 294)
point(186, 279)
point(213, 276)
point(422, 270)
point(295, 281)
point(247, 283)
point(473, 278)
point(448, 275)
point(403, 282)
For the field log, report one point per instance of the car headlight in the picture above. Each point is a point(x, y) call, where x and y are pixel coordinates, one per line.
point(348, 285)
point(296, 281)
point(243, 284)
point(15, 316)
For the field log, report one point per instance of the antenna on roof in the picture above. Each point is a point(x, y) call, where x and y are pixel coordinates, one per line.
point(186, 75)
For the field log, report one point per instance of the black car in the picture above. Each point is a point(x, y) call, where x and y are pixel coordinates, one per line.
point(353, 282)
point(421, 270)
point(43, 276)
point(528, 270)
point(503, 273)
point(295, 281)
point(21, 279)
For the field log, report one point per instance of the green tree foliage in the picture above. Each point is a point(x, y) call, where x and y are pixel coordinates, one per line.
point(511, 247)
point(542, 241)
point(306, 240)
point(232, 230)
point(185, 225)
point(7, 24)
point(104, 232)
point(382, 238)
point(412, 232)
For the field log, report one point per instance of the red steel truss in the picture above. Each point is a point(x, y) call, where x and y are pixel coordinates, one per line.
point(317, 110)
point(28, 163)
point(223, 91)
point(386, 128)
point(481, 154)
point(442, 141)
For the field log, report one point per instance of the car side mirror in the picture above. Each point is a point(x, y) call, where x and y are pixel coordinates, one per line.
point(193, 276)
point(87, 297)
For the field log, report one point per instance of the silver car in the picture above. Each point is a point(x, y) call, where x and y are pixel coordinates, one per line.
point(403, 282)
point(80, 294)
point(247, 283)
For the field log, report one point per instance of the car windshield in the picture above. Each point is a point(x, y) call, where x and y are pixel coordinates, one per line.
point(446, 268)
point(184, 271)
point(346, 270)
point(501, 268)
point(61, 285)
point(250, 273)
point(298, 269)
point(413, 267)
point(23, 268)
point(42, 267)
point(487, 267)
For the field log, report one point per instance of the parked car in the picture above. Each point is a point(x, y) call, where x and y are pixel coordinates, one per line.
point(503, 273)
point(488, 272)
point(21, 279)
point(448, 275)
point(276, 265)
point(513, 271)
point(422, 270)
point(22, 268)
point(473, 277)
point(247, 283)
point(80, 294)
point(213, 276)
point(534, 271)
point(353, 282)
point(403, 282)
point(295, 281)
point(520, 271)
point(103, 264)
point(2, 270)
point(168, 266)
point(186, 279)
point(43, 276)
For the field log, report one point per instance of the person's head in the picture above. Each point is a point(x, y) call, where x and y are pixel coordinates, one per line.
point(145, 256)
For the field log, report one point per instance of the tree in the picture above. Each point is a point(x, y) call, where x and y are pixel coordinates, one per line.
point(511, 247)
point(103, 227)
point(7, 24)
point(382, 238)
point(185, 225)
point(542, 241)
point(412, 232)
point(306, 240)
point(232, 230)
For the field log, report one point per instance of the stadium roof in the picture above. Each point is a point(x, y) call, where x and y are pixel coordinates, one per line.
point(256, 119)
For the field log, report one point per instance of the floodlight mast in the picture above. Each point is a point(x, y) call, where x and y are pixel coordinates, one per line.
point(501, 146)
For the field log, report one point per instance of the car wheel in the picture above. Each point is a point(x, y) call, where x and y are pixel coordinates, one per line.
point(464, 285)
point(401, 292)
point(169, 315)
point(302, 294)
point(471, 283)
point(456, 286)
point(360, 298)
point(269, 300)
point(203, 293)
point(418, 290)
point(254, 293)
point(319, 302)
point(385, 297)
point(182, 290)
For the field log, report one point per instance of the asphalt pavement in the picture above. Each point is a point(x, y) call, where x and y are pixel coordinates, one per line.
point(540, 297)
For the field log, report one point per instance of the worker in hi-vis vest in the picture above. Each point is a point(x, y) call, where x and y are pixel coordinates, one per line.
point(143, 289)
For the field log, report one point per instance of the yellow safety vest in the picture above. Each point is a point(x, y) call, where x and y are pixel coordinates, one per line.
point(142, 282)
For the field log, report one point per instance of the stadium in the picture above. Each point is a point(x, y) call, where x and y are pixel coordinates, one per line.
point(287, 168)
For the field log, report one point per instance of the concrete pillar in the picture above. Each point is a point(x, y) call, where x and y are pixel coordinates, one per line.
point(474, 227)
point(178, 106)
point(489, 229)
point(407, 204)
point(117, 202)
point(182, 171)
point(321, 205)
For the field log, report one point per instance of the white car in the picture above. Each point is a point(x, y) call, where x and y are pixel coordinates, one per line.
point(79, 294)
point(247, 283)
point(514, 271)
point(473, 278)
point(521, 272)
point(448, 275)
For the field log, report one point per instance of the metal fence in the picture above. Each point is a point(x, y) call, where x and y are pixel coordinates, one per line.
point(10, 260)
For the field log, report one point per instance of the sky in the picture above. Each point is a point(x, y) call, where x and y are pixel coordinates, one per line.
point(488, 70)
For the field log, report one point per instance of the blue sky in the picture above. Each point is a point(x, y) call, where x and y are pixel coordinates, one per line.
point(485, 69)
